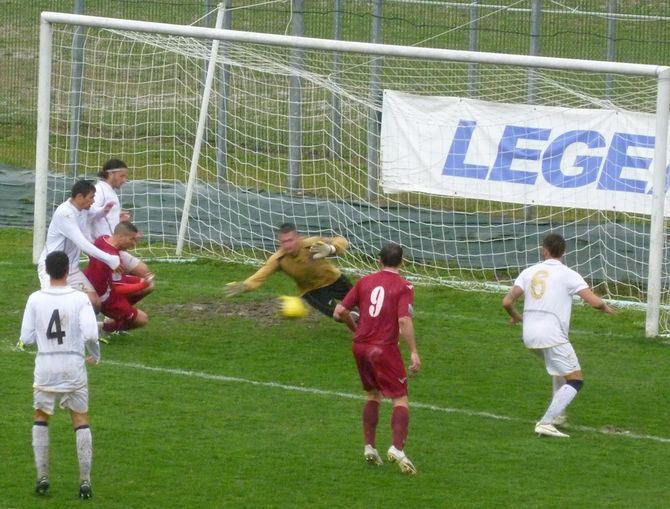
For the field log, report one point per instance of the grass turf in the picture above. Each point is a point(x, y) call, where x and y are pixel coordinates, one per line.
point(220, 403)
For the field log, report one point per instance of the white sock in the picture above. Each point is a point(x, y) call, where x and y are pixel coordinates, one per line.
point(41, 449)
point(84, 452)
point(557, 382)
point(559, 403)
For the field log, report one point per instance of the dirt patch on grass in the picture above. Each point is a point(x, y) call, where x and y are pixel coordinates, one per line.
point(264, 312)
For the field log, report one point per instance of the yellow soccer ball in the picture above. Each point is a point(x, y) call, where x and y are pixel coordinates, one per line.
point(292, 307)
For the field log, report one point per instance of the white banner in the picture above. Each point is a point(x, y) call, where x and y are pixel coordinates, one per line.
point(517, 153)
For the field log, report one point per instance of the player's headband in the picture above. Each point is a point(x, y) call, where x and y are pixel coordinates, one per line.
point(115, 169)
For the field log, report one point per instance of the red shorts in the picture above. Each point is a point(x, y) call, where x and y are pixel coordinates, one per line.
point(119, 308)
point(381, 367)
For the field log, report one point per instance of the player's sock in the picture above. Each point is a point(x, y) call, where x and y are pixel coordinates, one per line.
point(400, 426)
point(370, 420)
point(561, 400)
point(84, 451)
point(557, 382)
point(41, 448)
point(110, 325)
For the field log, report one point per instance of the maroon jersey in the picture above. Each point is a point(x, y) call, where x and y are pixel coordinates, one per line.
point(382, 298)
point(98, 273)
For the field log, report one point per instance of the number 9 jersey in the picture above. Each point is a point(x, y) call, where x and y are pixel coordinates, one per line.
point(382, 298)
point(61, 321)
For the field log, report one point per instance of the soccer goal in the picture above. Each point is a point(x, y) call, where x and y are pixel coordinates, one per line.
point(466, 159)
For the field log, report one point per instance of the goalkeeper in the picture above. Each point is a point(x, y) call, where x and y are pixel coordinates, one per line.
point(305, 259)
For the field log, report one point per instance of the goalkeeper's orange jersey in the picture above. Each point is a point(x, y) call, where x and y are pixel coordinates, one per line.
point(309, 274)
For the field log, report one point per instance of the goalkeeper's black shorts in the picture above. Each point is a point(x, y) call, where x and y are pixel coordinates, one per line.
point(325, 299)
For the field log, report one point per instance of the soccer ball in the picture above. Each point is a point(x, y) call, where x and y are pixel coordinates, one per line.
point(292, 307)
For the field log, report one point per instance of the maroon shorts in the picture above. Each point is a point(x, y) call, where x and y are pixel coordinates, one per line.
point(381, 367)
point(119, 308)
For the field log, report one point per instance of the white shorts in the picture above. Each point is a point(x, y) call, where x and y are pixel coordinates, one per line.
point(76, 280)
point(560, 360)
point(128, 261)
point(76, 400)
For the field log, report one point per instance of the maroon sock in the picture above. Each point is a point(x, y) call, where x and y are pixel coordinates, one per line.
point(370, 419)
point(111, 326)
point(400, 426)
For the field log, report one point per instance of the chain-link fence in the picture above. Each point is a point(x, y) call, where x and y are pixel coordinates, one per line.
point(621, 30)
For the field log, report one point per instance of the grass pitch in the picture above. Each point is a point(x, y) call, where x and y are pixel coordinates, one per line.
point(220, 403)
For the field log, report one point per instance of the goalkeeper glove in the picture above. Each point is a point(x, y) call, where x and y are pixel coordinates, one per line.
point(234, 289)
point(320, 250)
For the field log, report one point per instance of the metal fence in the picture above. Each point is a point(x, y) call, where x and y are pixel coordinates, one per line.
point(621, 30)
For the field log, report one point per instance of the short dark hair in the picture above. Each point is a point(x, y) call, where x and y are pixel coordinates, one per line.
point(84, 187)
point(391, 255)
point(286, 228)
point(555, 244)
point(125, 227)
point(57, 264)
point(111, 165)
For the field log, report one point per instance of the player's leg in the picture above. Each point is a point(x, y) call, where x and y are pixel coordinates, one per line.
point(121, 315)
point(79, 281)
point(556, 383)
point(400, 429)
point(40, 443)
point(370, 421)
point(370, 414)
point(77, 404)
point(391, 378)
point(325, 299)
point(560, 361)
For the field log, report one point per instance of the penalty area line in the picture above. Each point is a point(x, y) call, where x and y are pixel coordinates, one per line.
point(609, 431)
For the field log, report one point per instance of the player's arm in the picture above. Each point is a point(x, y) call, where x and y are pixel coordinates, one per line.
point(88, 327)
point(407, 332)
point(342, 314)
point(71, 230)
point(508, 304)
point(594, 301)
point(271, 266)
point(324, 247)
point(98, 210)
point(28, 332)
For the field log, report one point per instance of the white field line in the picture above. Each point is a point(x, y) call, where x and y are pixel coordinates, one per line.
point(345, 395)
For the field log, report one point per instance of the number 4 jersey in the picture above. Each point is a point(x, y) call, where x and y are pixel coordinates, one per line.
point(62, 322)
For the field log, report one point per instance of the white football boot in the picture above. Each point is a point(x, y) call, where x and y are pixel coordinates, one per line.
point(404, 464)
point(549, 430)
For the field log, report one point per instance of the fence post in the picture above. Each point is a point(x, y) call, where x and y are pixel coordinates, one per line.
point(375, 99)
point(76, 78)
point(335, 115)
point(534, 49)
point(222, 114)
point(474, 43)
point(295, 99)
point(612, 9)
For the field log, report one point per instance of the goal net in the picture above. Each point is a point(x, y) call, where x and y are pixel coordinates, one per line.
point(467, 160)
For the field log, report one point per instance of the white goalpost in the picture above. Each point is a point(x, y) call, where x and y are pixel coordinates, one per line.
point(466, 159)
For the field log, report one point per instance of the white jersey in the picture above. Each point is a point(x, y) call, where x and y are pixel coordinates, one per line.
point(548, 290)
point(66, 233)
point(62, 322)
point(104, 224)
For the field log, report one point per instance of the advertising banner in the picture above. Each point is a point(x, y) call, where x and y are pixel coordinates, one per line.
point(518, 153)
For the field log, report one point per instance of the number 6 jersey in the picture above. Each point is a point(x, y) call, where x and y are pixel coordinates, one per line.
point(62, 322)
point(548, 289)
